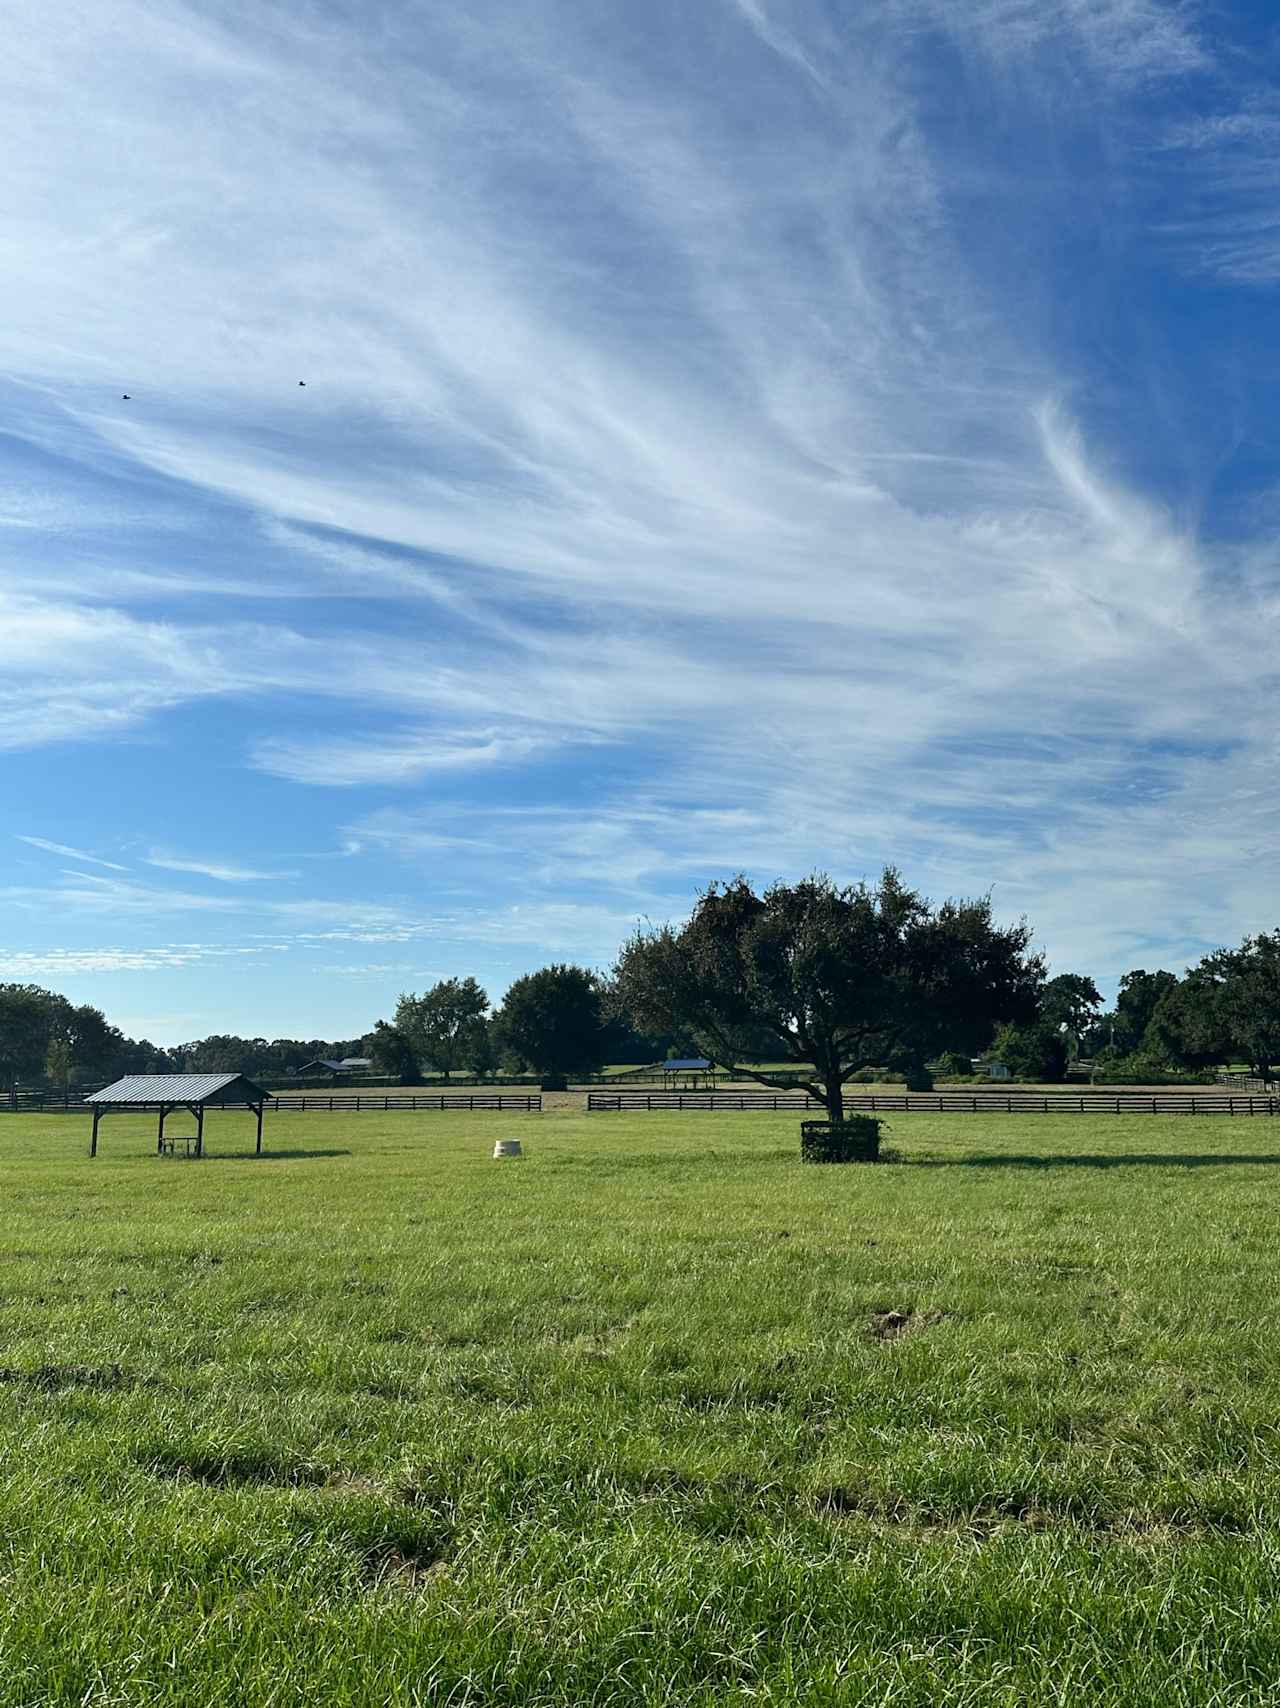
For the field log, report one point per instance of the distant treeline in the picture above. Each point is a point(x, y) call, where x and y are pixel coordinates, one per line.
point(566, 1021)
point(43, 1037)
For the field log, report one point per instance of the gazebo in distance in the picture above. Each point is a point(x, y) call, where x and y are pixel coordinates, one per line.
point(689, 1072)
point(169, 1091)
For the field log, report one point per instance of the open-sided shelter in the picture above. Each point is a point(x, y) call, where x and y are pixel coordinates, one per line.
point(689, 1071)
point(166, 1092)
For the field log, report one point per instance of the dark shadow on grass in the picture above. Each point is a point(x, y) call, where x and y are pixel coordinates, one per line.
point(1136, 1159)
point(272, 1155)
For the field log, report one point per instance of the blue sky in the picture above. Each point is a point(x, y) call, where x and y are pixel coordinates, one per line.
point(753, 435)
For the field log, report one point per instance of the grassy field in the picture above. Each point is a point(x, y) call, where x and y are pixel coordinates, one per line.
point(655, 1415)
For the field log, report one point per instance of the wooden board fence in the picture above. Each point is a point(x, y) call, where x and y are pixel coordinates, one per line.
point(311, 1101)
point(505, 1101)
point(949, 1102)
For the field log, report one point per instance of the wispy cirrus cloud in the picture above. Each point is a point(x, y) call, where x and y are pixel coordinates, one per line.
point(395, 757)
point(71, 963)
point(61, 849)
point(223, 872)
point(1228, 222)
point(1123, 42)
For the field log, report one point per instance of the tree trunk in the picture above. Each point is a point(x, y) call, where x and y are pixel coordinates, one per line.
point(834, 1099)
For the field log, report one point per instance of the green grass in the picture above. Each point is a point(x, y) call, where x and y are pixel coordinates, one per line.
point(655, 1415)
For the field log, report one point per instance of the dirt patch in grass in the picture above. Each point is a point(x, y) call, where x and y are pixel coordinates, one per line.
point(398, 1571)
point(893, 1325)
point(51, 1378)
point(354, 1486)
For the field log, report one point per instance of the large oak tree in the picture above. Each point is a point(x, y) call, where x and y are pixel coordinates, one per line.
point(439, 1022)
point(838, 978)
point(554, 1021)
point(1228, 1004)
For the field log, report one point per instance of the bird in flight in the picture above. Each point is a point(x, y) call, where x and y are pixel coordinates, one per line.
point(125, 398)
point(302, 382)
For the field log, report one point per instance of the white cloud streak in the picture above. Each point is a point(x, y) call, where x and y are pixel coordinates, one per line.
point(394, 758)
point(61, 848)
point(220, 871)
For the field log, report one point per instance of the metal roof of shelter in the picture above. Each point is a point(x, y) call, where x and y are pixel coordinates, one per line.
point(687, 1064)
point(178, 1088)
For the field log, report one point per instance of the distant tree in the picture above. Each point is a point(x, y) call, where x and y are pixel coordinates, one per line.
point(392, 1053)
point(1188, 1029)
point(1139, 996)
point(28, 1019)
point(58, 1062)
point(837, 979)
point(479, 1049)
point(1227, 1006)
point(142, 1056)
point(554, 1021)
point(1037, 1052)
point(222, 1052)
point(1249, 997)
point(626, 1044)
point(438, 1022)
point(1071, 1000)
point(94, 1044)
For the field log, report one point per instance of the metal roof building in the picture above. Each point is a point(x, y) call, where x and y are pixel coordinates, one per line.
point(166, 1092)
point(692, 1069)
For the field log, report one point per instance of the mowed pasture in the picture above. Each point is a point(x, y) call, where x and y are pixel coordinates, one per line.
point(655, 1415)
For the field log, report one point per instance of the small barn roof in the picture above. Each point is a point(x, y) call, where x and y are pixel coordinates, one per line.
point(179, 1088)
point(687, 1064)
